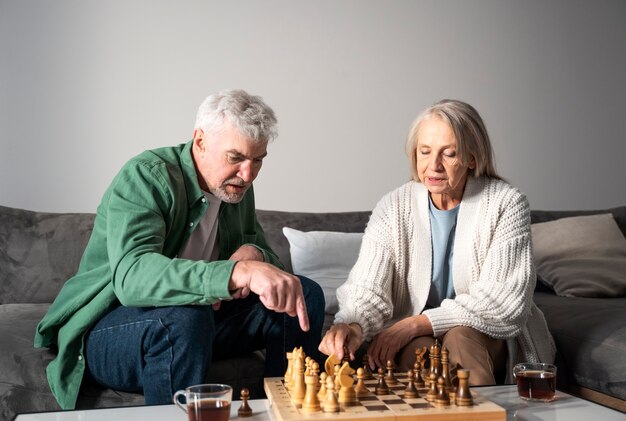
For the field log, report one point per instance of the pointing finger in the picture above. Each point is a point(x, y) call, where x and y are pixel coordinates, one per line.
point(303, 317)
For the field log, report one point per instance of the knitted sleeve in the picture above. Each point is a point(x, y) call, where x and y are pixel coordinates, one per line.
point(499, 295)
point(366, 297)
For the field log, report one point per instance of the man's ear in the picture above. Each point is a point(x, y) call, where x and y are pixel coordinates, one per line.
point(198, 140)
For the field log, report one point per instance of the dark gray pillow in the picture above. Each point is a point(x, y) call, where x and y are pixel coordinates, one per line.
point(582, 256)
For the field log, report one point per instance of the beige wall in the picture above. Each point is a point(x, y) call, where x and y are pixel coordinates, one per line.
point(84, 85)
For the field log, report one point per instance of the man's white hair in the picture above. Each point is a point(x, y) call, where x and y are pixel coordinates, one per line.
point(248, 113)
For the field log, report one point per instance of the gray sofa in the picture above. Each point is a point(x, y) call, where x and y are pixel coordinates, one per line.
point(39, 251)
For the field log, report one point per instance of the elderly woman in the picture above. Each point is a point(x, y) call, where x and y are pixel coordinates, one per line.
point(447, 255)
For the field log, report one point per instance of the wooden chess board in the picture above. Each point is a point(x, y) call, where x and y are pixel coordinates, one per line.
point(384, 407)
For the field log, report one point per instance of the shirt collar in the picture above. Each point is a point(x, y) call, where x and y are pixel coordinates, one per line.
point(190, 175)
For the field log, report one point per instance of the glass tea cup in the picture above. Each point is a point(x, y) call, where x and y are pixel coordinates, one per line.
point(535, 381)
point(206, 402)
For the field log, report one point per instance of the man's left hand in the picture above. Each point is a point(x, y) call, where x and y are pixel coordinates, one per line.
point(245, 252)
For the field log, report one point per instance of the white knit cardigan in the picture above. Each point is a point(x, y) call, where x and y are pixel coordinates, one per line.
point(492, 266)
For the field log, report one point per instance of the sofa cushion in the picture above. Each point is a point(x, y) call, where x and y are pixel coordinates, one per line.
point(324, 256)
point(39, 252)
point(582, 256)
point(274, 221)
point(590, 334)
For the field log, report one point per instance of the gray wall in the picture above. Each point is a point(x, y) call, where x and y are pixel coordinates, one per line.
point(84, 85)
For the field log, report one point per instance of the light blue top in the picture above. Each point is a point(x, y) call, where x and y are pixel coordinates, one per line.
point(442, 227)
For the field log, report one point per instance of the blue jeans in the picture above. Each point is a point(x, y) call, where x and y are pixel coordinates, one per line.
point(159, 350)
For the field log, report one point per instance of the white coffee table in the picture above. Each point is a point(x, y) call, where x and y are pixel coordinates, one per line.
point(260, 408)
point(565, 408)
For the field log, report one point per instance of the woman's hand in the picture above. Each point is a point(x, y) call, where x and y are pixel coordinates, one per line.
point(340, 337)
point(390, 341)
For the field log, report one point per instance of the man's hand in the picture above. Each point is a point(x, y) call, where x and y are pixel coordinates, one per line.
point(245, 252)
point(341, 336)
point(390, 341)
point(278, 290)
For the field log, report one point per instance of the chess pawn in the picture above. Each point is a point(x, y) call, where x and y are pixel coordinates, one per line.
point(390, 378)
point(330, 403)
point(321, 394)
point(315, 371)
point(381, 388)
point(432, 390)
point(244, 410)
point(366, 368)
point(311, 403)
point(307, 366)
point(299, 387)
point(417, 366)
point(419, 381)
point(442, 398)
point(411, 391)
point(463, 396)
point(360, 388)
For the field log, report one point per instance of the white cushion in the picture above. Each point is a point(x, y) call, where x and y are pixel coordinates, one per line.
point(325, 257)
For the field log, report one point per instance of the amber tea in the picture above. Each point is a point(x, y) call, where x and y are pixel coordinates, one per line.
point(205, 402)
point(536, 382)
point(209, 410)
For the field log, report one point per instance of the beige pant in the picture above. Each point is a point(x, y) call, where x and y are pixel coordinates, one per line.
point(468, 348)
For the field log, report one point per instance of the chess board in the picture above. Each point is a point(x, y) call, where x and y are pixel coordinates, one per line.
point(384, 407)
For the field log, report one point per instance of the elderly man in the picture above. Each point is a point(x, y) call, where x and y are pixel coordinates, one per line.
point(177, 272)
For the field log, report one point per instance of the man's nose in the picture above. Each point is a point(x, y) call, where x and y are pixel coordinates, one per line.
point(245, 171)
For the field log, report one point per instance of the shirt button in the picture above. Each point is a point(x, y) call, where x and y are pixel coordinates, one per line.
point(191, 224)
point(203, 200)
point(80, 358)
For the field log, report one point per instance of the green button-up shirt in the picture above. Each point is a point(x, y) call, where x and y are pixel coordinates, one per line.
point(146, 215)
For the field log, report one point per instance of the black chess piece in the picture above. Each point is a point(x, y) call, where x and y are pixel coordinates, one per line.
point(411, 391)
point(244, 409)
point(381, 388)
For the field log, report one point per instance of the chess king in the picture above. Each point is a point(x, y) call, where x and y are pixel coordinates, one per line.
point(177, 272)
point(446, 255)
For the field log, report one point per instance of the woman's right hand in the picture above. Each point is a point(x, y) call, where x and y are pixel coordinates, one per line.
point(340, 338)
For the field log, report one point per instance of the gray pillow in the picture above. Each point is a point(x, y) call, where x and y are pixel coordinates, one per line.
point(582, 256)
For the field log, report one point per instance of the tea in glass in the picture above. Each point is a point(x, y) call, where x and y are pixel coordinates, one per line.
point(536, 381)
point(206, 402)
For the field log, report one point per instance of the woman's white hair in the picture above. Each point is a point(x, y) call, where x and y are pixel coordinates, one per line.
point(248, 113)
point(470, 132)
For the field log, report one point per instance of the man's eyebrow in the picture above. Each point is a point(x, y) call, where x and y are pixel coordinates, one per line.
point(238, 154)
